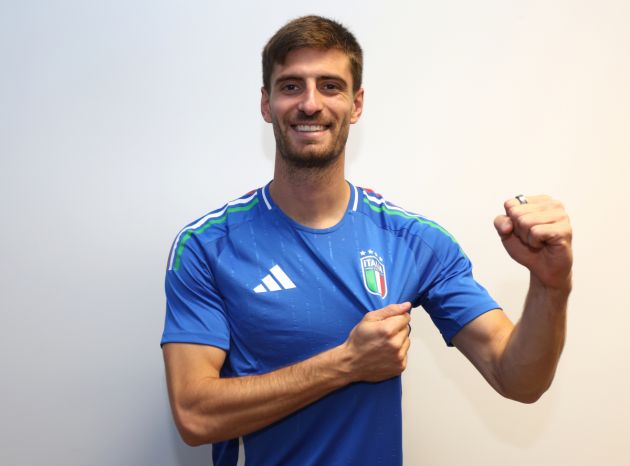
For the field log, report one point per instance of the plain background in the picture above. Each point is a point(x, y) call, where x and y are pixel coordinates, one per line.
point(122, 121)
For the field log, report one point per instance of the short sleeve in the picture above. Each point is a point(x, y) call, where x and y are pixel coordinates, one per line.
point(195, 312)
point(454, 298)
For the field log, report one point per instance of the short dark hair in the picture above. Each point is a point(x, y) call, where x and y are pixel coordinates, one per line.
point(312, 32)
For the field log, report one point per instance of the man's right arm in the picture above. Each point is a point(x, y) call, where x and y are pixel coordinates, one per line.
point(210, 409)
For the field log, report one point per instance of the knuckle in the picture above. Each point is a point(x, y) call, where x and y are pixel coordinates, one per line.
point(557, 204)
point(524, 222)
point(392, 346)
point(521, 228)
point(388, 332)
point(569, 234)
point(510, 208)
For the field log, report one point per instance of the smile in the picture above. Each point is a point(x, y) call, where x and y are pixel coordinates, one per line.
point(309, 128)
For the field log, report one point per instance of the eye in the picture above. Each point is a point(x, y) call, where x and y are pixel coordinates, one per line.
point(332, 87)
point(290, 88)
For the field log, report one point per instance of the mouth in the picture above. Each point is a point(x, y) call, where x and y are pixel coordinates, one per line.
point(309, 128)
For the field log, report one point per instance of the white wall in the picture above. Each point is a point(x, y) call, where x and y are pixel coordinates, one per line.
point(121, 121)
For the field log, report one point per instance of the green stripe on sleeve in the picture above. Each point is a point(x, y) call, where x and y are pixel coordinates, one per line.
point(429, 223)
point(205, 226)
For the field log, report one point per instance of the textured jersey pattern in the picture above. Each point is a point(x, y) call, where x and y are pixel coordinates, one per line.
point(271, 292)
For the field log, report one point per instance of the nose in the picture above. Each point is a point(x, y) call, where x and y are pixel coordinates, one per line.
point(310, 102)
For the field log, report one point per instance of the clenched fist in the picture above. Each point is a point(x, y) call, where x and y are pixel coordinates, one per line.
point(377, 346)
point(538, 234)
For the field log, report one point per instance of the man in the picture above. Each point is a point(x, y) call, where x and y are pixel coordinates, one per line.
point(287, 321)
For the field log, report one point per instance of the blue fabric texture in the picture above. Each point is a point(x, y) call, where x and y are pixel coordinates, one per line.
point(271, 292)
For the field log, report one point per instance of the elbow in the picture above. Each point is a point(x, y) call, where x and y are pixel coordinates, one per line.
point(194, 430)
point(526, 398)
point(529, 396)
point(191, 438)
point(526, 389)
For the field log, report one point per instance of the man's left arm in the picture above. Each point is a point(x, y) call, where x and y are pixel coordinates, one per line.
point(520, 360)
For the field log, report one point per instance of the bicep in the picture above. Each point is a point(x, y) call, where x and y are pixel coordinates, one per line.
point(483, 341)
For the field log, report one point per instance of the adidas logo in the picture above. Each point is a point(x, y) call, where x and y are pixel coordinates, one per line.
point(279, 281)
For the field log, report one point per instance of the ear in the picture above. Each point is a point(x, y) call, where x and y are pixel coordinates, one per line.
point(357, 106)
point(264, 105)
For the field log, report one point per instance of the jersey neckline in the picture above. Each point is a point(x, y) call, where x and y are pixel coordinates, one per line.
point(273, 207)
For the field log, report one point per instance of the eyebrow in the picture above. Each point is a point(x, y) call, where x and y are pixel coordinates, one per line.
point(289, 77)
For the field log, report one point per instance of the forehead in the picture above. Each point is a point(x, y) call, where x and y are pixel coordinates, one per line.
point(308, 62)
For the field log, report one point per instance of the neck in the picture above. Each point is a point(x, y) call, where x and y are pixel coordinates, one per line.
point(314, 197)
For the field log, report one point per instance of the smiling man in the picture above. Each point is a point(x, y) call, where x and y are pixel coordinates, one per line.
point(313, 105)
point(287, 317)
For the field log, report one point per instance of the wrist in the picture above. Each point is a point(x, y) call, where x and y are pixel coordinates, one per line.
point(559, 286)
point(341, 364)
point(556, 296)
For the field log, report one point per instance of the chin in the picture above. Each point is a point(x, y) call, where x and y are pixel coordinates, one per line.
point(310, 159)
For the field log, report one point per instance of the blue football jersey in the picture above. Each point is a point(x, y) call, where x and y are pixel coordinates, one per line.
point(272, 292)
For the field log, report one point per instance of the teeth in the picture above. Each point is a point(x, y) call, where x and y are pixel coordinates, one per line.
point(309, 128)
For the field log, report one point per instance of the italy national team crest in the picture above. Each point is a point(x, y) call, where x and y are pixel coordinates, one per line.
point(373, 271)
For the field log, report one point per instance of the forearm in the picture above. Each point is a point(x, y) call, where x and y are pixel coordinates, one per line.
point(209, 409)
point(216, 409)
point(532, 350)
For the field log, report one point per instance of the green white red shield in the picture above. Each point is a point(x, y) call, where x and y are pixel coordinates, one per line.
point(374, 277)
